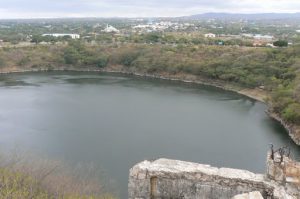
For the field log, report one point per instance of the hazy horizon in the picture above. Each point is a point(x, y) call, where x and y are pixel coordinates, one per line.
point(31, 9)
point(124, 17)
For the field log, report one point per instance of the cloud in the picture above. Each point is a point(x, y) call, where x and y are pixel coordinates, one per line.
point(138, 8)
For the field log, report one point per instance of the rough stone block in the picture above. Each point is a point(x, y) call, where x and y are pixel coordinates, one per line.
point(251, 195)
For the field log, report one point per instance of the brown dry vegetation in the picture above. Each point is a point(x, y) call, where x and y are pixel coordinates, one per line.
point(27, 177)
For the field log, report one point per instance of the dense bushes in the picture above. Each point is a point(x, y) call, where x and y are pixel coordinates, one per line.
point(292, 113)
point(18, 185)
point(101, 61)
point(280, 43)
point(77, 54)
point(242, 66)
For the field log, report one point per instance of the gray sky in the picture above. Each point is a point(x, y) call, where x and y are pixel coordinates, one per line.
point(138, 8)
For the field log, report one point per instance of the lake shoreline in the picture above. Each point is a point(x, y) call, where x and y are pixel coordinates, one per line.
point(255, 94)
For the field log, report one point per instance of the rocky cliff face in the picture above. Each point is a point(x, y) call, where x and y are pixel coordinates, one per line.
point(284, 171)
point(166, 179)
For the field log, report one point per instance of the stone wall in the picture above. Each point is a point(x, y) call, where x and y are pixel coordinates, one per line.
point(166, 179)
point(174, 179)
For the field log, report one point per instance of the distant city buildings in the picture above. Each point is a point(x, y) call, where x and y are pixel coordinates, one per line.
point(161, 26)
point(168, 31)
point(73, 36)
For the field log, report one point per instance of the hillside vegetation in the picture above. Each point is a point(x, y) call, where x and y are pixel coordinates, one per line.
point(275, 70)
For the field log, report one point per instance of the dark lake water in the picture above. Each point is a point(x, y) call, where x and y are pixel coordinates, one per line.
point(116, 121)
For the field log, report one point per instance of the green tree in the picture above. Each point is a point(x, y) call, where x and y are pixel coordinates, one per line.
point(281, 43)
point(153, 37)
point(71, 56)
point(36, 39)
point(102, 61)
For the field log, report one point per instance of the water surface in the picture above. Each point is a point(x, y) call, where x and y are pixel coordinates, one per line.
point(116, 121)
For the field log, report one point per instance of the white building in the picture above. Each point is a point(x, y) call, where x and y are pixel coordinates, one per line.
point(110, 29)
point(210, 35)
point(73, 36)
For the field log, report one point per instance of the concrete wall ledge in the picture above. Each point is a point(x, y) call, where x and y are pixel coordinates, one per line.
point(166, 179)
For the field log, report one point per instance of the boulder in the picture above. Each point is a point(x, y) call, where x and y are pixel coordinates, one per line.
point(251, 195)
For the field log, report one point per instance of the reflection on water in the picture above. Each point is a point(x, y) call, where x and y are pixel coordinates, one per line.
point(6, 81)
point(116, 121)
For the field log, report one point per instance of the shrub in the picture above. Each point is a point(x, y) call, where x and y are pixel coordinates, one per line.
point(127, 58)
point(17, 185)
point(292, 113)
point(280, 43)
point(102, 61)
point(2, 62)
point(24, 61)
point(71, 56)
point(27, 177)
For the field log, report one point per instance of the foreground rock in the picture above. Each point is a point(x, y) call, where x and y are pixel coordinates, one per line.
point(164, 178)
point(251, 195)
